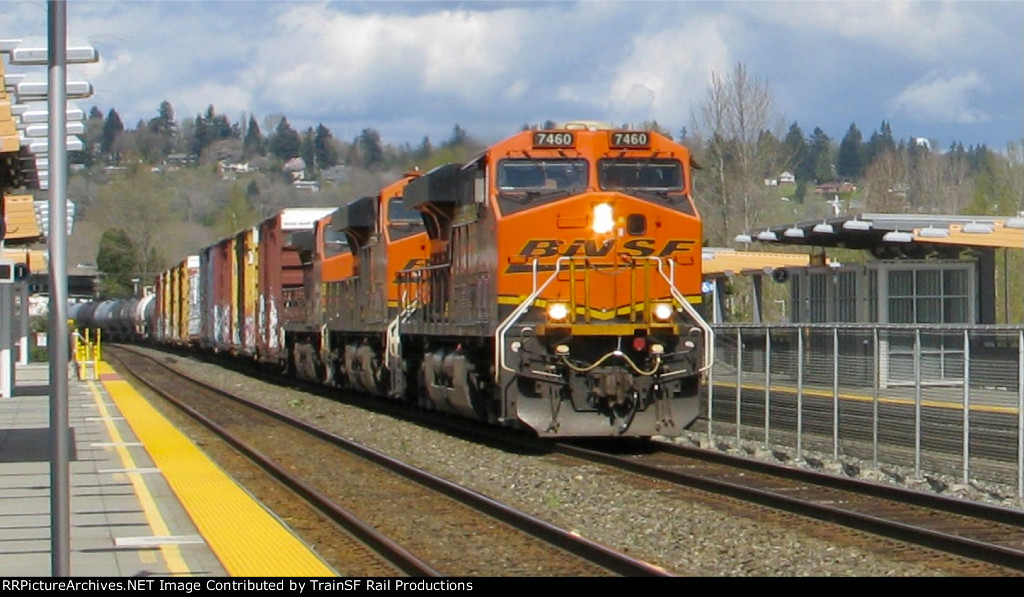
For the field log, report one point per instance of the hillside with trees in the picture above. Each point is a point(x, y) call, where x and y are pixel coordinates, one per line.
point(149, 195)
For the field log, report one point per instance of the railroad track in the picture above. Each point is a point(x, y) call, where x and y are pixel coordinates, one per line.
point(987, 534)
point(395, 519)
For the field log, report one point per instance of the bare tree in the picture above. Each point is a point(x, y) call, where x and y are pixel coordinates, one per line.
point(735, 121)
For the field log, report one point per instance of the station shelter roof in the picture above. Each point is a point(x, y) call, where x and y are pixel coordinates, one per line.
point(9, 140)
point(876, 231)
point(719, 262)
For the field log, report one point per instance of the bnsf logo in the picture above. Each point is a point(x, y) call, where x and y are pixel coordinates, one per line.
point(636, 247)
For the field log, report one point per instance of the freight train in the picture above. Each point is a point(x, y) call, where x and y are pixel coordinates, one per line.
point(552, 284)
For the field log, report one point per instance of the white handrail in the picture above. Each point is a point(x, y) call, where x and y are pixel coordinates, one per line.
point(502, 329)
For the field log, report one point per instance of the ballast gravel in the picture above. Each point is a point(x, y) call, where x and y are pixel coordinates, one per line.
point(686, 537)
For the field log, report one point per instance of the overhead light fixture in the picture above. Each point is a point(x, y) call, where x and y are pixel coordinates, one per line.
point(933, 232)
point(1016, 221)
point(823, 228)
point(978, 228)
point(794, 232)
point(767, 235)
point(743, 238)
point(895, 236)
point(856, 224)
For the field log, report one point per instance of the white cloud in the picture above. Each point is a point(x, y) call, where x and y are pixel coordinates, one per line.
point(661, 74)
point(412, 69)
point(942, 98)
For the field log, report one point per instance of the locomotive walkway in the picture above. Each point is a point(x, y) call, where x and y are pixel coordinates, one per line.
point(144, 501)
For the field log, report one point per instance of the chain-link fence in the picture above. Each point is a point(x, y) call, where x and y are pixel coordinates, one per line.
point(938, 399)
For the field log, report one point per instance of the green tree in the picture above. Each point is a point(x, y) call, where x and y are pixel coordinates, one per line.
point(850, 160)
point(253, 144)
point(113, 128)
point(325, 151)
point(880, 143)
point(285, 143)
point(370, 149)
point(210, 127)
point(118, 264)
point(165, 128)
point(821, 155)
point(237, 214)
point(799, 153)
point(138, 204)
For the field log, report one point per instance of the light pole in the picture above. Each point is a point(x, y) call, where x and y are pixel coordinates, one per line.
point(55, 90)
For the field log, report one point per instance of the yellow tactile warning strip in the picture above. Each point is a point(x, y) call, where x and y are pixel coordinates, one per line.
point(248, 540)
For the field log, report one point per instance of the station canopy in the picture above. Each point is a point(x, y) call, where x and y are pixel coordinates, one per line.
point(880, 233)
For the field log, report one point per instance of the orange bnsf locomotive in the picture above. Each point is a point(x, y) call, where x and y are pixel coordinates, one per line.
point(548, 284)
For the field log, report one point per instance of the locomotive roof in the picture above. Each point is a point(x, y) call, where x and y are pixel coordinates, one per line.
point(361, 213)
point(440, 185)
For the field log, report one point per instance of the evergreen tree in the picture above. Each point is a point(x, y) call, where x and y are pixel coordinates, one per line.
point(165, 127)
point(821, 155)
point(93, 137)
point(881, 142)
point(799, 153)
point(253, 144)
point(370, 149)
point(424, 150)
point(850, 161)
point(210, 127)
point(285, 144)
point(112, 130)
point(459, 136)
point(307, 152)
point(325, 153)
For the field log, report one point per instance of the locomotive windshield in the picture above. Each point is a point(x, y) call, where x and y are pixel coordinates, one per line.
point(334, 242)
point(530, 182)
point(658, 179)
point(621, 174)
point(402, 221)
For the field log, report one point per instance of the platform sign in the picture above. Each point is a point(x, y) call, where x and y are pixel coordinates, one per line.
point(6, 271)
point(42, 129)
point(30, 54)
point(39, 112)
point(42, 146)
point(31, 88)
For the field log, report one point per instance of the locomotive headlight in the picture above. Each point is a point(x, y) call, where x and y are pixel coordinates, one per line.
point(604, 219)
point(662, 312)
point(558, 311)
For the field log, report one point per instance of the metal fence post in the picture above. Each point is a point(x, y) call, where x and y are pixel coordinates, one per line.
point(835, 393)
point(739, 383)
point(917, 402)
point(767, 385)
point(799, 394)
point(967, 406)
point(874, 398)
point(1020, 415)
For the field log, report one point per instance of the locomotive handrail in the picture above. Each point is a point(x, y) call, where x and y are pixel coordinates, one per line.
point(709, 344)
point(503, 327)
point(393, 338)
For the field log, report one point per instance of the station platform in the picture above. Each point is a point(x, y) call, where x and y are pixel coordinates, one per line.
point(144, 500)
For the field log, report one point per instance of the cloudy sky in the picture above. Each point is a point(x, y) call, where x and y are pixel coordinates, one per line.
point(946, 71)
